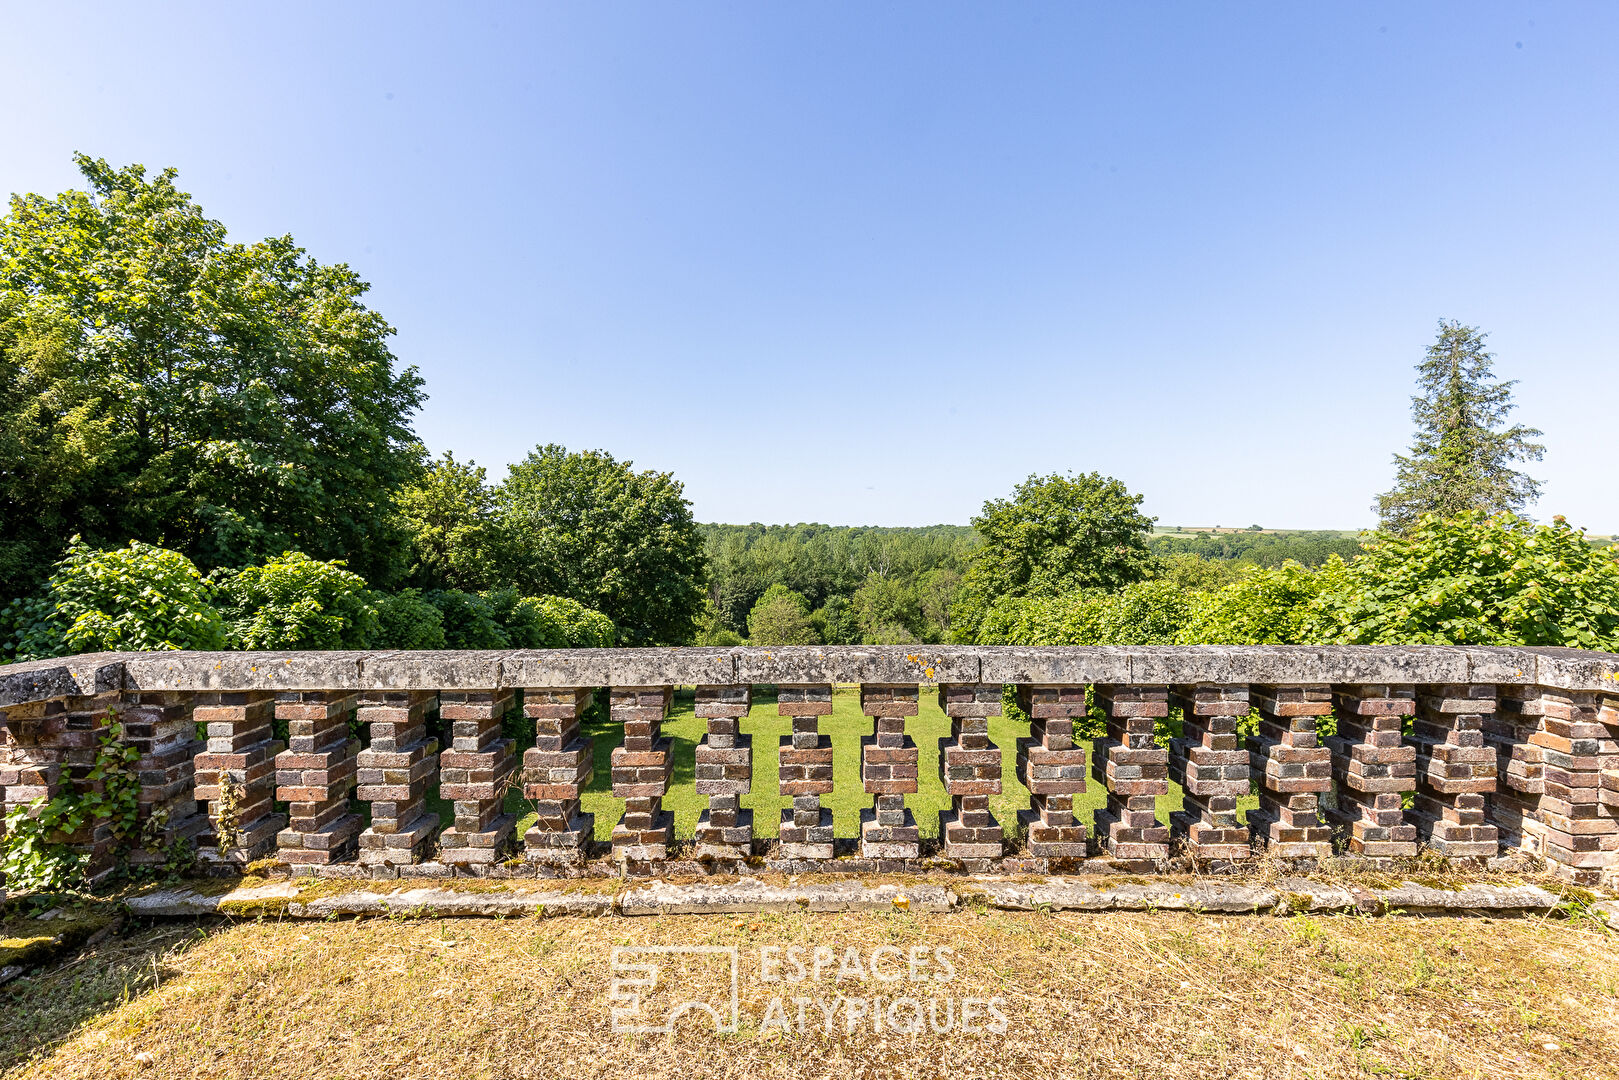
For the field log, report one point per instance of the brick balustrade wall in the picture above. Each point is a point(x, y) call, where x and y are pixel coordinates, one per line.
point(330, 762)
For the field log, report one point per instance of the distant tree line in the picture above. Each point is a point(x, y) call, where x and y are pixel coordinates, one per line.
point(1257, 549)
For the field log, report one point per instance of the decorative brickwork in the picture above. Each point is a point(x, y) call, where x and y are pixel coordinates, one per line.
point(394, 774)
point(475, 772)
point(890, 769)
point(1455, 770)
point(1129, 761)
point(1512, 751)
point(724, 772)
point(1212, 769)
point(641, 770)
point(1052, 766)
point(556, 771)
point(805, 771)
point(1577, 811)
point(970, 766)
point(236, 775)
point(161, 727)
point(1375, 769)
point(314, 776)
point(1294, 770)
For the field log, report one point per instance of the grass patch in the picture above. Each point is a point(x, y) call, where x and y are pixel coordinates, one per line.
point(1165, 995)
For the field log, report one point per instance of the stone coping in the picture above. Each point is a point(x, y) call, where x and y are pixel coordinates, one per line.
point(1568, 669)
point(507, 899)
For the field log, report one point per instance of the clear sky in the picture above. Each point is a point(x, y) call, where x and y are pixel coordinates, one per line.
point(875, 263)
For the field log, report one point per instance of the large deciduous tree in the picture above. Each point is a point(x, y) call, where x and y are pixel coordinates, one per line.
point(1461, 458)
point(450, 515)
point(1055, 535)
point(158, 382)
point(589, 527)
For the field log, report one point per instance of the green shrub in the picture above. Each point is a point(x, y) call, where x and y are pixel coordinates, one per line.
point(296, 602)
point(469, 620)
point(582, 628)
point(1475, 579)
point(136, 598)
point(1266, 607)
point(406, 621)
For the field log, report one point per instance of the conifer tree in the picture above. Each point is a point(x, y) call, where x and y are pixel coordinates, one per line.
point(1461, 458)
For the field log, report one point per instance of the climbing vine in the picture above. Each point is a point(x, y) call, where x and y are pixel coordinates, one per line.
point(36, 852)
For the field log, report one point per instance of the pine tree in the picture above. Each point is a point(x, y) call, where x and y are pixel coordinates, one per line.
point(1461, 457)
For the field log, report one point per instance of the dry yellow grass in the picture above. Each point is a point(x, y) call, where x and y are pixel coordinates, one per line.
point(1117, 995)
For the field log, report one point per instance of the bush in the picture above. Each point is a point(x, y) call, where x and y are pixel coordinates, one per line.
point(136, 598)
point(406, 621)
point(1474, 579)
point(469, 620)
point(296, 602)
point(1142, 613)
point(548, 622)
point(781, 617)
point(1266, 607)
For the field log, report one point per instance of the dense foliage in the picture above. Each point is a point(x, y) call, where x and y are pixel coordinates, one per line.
point(1055, 535)
point(1476, 579)
point(227, 401)
point(296, 602)
point(1473, 579)
point(1461, 458)
point(134, 598)
point(589, 527)
point(861, 584)
point(141, 597)
point(781, 617)
point(1257, 548)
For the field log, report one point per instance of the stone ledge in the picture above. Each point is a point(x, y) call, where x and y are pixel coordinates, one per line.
point(1288, 896)
point(1569, 669)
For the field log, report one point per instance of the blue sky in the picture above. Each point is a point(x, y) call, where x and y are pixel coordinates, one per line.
point(873, 264)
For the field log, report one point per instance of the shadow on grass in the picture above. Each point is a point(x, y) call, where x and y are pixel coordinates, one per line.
point(47, 1005)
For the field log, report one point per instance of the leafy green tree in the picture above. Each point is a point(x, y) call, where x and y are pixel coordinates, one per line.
point(936, 594)
point(711, 628)
point(227, 401)
point(620, 542)
point(886, 611)
point(136, 598)
point(1476, 579)
point(781, 617)
point(835, 622)
point(405, 620)
point(296, 602)
point(469, 620)
point(1055, 535)
point(1462, 455)
point(450, 516)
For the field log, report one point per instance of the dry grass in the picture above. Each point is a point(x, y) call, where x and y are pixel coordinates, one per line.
point(1116, 995)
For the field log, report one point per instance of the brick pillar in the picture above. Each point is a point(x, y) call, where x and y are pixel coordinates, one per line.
point(161, 727)
point(1135, 770)
point(394, 774)
point(1294, 770)
point(236, 775)
point(1374, 767)
point(1520, 762)
point(724, 771)
point(1455, 770)
point(50, 748)
point(1052, 767)
point(314, 776)
point(1212, 768)
point(556, 771)
point(806, 771)
point(641, 771)
point(970, 766)
point(889, 770)
point(474, 773)
point(1580, 814)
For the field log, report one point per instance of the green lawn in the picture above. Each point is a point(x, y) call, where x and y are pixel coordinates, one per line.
point(845, 726)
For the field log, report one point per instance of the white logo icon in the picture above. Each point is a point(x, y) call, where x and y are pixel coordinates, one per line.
point(656, 984)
